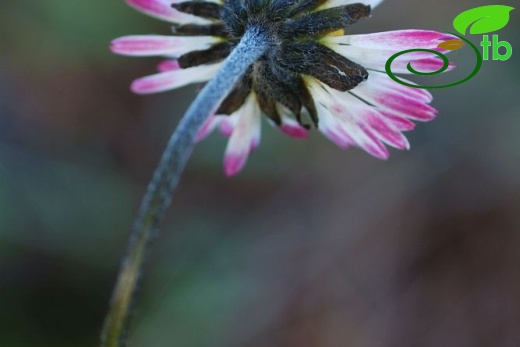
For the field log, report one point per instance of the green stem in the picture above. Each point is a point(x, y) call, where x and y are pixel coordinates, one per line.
point(166, 177)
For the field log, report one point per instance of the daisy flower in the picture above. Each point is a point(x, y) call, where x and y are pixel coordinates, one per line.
point(313, 74)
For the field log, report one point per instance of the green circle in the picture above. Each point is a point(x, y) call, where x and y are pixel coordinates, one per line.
point(388, 66)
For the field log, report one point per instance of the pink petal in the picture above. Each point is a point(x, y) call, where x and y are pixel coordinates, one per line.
point(234, 163)
point(245, 136)
point(350, 125)
point(297, 132)
point(164, 81)
point(395, 100)
point(330, 127)
point(338, 3)
point(292, 128)
point(406, 106)
point(377, 150)
point(400, 66)
point(255, 142)
point(373, 50)
point(226, 126)
point(289, 126)
point(208, 126)
point(353, 122)
point(153, 45)
point(347, 120)
point(168, 65)
point(401, 123)
point(380, 83)
point(162, 9)
point(422, 62)
point(398, 40)
point(386, 132)
point(426, 65)
point(337, 136)
point(256, 132)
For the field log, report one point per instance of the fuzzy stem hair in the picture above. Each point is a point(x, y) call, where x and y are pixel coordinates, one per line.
point(165, 179)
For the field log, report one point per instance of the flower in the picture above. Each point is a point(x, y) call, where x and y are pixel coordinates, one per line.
point(312, 70)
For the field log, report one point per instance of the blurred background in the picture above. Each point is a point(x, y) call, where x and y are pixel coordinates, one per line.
point(309, 246)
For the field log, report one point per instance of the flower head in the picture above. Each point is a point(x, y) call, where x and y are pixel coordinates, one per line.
point(312, 72)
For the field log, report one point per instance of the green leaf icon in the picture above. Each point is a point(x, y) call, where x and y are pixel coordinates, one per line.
point(482, 20)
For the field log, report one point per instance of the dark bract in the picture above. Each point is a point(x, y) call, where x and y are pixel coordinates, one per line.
point(294, 29)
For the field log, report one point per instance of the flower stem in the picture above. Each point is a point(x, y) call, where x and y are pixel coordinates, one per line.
point(166, 177)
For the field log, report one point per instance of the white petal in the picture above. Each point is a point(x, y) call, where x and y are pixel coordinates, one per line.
point(168, 65)
point(332, 129)
point(164, 81)
point(154, 45)
point(227, 125)
point(163, 10)
point(372, 51)
point(207, 128)
point(396, 40)
point(245, 136)
point(346, 119)
point(337, 3)
point(375, 59)
point(392, 98)
point(380, 82)
point(289, 126)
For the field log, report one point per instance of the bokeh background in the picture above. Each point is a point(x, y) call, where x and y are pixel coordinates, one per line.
point(309, 246)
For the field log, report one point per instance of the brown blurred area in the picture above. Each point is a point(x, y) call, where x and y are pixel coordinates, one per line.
point(309, 246)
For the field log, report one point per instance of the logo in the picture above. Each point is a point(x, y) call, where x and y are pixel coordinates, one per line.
point(480, 21)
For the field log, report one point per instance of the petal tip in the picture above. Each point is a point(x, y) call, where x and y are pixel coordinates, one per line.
point(226, 128)
point(114, 46)
point(380, 152)
point(143, 86)
point(136, 87)
point(295, 132)
point(233, 164)
point(168, 65)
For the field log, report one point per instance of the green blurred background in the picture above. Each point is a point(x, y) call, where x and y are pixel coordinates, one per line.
point(308, 246)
